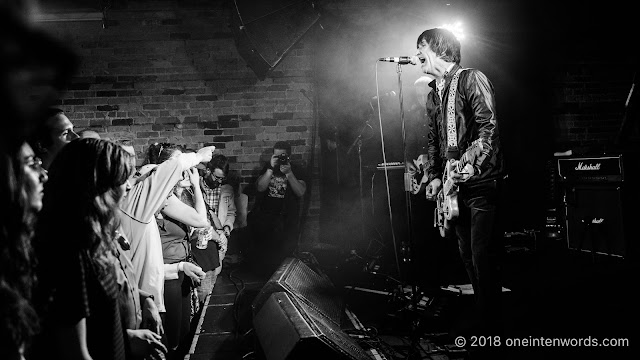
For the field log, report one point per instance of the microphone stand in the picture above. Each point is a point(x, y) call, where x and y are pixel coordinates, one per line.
point(358, 141)
point(405, 248)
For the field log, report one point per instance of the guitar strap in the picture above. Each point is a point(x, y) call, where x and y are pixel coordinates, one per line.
point(452, 134)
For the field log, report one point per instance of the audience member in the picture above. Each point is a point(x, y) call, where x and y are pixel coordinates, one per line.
point(19, 320)
point(221, 211)
point(78, 291)
point(174, 219)
point(30, 81)
point(275, 216)
point(52, 135)
point(147, 197)
point(140, 316)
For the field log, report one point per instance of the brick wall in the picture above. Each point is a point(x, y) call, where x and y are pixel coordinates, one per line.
point(595, 58)
point(167, 71)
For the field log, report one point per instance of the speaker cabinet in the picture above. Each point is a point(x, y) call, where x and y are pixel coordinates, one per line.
point(289, 329)
point(265, 30)
point(595, 220)
point(299, 281)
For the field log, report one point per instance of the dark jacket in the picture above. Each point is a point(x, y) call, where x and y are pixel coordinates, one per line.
point(476, 126)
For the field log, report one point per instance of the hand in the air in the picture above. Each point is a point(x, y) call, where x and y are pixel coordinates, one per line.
point(206, 153)
point(433, 189)
point(194, 176)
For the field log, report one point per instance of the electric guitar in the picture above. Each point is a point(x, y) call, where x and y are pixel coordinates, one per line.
point(447, 209)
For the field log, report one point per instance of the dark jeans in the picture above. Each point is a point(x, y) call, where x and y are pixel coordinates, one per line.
point(480, 244)
point(178, 310)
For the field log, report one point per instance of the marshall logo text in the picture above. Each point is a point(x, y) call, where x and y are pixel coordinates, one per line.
point(588, 167)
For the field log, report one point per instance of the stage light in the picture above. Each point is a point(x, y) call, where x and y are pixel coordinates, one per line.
point(456, 29)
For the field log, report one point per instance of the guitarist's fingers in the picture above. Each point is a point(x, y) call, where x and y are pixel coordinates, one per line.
point(429, 193)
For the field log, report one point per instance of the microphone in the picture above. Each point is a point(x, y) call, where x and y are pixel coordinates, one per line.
point(403, 60)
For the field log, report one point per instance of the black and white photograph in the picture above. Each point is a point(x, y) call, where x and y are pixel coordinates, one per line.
point(319, 179)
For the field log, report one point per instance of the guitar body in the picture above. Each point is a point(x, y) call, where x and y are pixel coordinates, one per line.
point(447, 210)
point(445, 214)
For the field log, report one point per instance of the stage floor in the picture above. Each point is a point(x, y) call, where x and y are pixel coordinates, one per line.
point(554, 296)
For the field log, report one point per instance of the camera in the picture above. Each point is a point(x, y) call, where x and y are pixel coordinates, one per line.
point(283, 159)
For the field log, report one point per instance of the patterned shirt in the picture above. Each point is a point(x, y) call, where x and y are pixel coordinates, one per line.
point(211, 197)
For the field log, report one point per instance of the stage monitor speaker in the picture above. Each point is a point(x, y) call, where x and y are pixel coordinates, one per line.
point(594, 220)
point(297, 279)
point(265, 30)
point(290, 329)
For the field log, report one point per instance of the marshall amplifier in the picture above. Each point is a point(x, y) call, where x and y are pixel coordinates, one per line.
point(595, 220)
point(593, 197)
point(598, 169)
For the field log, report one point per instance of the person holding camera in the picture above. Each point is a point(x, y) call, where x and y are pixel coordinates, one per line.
point(275, 216)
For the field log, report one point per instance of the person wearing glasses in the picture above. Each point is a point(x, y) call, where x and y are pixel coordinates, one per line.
point(221, 210)
point(52, 136)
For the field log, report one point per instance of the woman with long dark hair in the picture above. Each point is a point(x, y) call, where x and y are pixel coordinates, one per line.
point(22, 184)
point(77, 291)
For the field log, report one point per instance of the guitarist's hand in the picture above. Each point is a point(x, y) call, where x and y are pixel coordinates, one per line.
point(461, 176)
point(415, 169)
point(433, 189)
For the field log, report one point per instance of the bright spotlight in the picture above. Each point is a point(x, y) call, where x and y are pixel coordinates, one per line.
point(456, 29)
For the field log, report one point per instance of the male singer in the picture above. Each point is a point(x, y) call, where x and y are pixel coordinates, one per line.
point(463, 127)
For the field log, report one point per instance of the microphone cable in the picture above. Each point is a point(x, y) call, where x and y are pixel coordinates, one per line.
point(386, 175)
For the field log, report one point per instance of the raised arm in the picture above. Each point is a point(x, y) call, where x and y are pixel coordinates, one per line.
point(184, 213)
point(150, 192)
point(263, 180)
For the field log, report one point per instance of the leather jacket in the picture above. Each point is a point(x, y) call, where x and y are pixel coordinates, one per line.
point(478, 142)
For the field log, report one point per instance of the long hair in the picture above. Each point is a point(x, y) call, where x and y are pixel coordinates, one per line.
point(19, 322)
point(16, 224)
point(443, 42)
point(83, 192)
